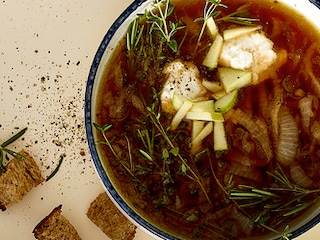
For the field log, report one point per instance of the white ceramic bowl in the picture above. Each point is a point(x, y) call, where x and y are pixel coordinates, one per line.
point(109, 42)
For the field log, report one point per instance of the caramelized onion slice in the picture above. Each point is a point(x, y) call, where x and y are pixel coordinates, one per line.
point(288, 139)
point(257, 129)
point(299, 176)
point(305, 106)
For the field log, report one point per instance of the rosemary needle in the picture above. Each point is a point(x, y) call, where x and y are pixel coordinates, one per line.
point(62, 156)
point(13, 138)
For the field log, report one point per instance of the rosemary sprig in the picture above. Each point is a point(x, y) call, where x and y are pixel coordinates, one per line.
point(285, 200)
point(159, 20)
point(133, 38)
point(285, 234)
point(238, 17)
point(3, 148)
point(134, 34)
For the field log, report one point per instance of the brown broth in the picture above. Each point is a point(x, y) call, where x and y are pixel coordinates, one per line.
point(169, 204)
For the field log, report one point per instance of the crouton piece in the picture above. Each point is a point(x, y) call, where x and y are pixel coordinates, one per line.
point(20, 176)
point(55, 226)
point(109, 219)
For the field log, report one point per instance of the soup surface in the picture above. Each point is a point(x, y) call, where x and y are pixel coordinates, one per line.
point(198, 171)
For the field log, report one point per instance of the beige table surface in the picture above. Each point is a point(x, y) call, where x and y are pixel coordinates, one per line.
point(46, 49)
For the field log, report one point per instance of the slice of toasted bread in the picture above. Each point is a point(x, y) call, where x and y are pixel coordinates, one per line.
point(55, 226)
point(109, 219)
point(20, 176)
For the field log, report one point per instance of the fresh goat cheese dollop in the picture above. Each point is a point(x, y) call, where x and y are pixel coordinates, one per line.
point(253, 51)
point(183, 79)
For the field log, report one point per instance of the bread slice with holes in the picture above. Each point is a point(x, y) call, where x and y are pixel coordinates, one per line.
point(109, 219)
point(55, 226)
point(19, 177)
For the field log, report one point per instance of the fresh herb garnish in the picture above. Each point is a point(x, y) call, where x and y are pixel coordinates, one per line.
point(133, 38)
point(3, 148)
point(282, 198)
point(169, 151)
point(159, 20)
point(238, 17)
point(134, 33)
point(186, 169)
point(209, 11)
point(130, 169)
point(285, 234)
point(62, 156)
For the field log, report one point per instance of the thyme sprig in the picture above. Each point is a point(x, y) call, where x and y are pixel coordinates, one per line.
point(155, 115)
point(103, 129)
point(3, 148)
point(159, 20)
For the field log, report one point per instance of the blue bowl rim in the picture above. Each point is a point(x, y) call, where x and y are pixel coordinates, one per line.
point(92, 144)
point(89, 124)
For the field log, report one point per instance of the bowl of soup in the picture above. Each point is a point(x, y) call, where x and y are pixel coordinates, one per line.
point(202, 117)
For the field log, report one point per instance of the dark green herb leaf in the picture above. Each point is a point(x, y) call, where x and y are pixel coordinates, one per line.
point(175, 151)
point(13, 153)
point(103, 128)
point(165, 153)
point(184, 168)
point(142, 168)
point(238, 17)
point(173, 45)
point(296, 210)
point(170, 9)
point(13, 138)
point(62, 156)
point(199, 19)
point(192, 218)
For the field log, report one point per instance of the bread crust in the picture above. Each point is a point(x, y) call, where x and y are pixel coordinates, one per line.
point(20, 176)
point(55, 226)
point(109, 219)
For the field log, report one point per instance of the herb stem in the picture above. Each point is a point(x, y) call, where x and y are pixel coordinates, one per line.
point(129, 152)
point(164, 16)
point(107, 142)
